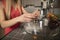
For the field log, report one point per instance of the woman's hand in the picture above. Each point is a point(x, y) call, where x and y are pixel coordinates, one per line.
point(27, 17)
point(36, 13)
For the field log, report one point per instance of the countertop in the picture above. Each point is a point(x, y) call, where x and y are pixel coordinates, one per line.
point(20, 34)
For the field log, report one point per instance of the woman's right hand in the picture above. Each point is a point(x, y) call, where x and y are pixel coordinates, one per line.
point(26, 17)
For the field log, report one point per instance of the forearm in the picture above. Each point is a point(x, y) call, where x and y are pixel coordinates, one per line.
point(8, 23)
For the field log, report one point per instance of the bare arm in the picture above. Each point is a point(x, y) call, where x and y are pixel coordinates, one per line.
point(26, 17)
point(6, 23)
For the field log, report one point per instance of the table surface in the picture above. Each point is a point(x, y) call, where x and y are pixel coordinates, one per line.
point(20, 34)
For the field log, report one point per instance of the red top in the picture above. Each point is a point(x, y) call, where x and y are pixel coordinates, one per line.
point(14, 13)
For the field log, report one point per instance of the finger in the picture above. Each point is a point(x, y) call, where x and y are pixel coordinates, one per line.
point(28, 20)
point(37, 14)
point(29, 16)
point(23, 10)
point(35, 11)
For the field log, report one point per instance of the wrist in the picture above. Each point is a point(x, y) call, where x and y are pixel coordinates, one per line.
point(17, 19)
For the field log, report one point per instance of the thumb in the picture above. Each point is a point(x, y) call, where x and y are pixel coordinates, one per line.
point(23, 10)
point(35, 11)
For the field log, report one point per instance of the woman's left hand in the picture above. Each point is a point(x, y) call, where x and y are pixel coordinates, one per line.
point(36, 13)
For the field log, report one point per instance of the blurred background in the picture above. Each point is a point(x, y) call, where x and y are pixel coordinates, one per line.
point(25, 3)
point(38, 3)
